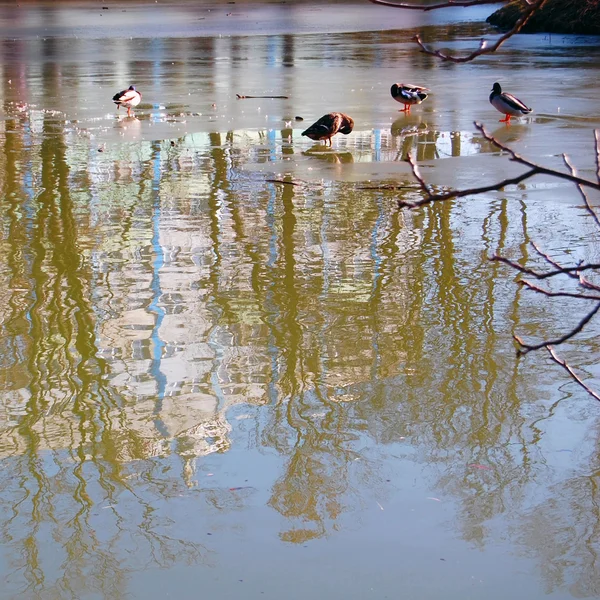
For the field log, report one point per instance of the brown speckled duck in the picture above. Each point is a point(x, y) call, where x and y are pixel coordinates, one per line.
point(328, 125)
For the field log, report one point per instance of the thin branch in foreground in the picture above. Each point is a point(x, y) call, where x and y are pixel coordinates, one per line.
point(539, 290)
point(534, 170)
point(588, 204)
point(573, 272)
point(531, 9)
point(417, 175)
point(525, 348)
point(571, 372)
point(517, 267)
point(559, 268)
point(524, 161)
point(427, 7)
point(430, 198)
point(597, 137)
point(587, 284)
point(538, 275)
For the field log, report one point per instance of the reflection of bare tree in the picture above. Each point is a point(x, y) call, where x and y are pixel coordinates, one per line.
point(565, 529)
point(316, 352)
point(50, 493)
point(357, 325)
point(588, 290)
point(323, 153)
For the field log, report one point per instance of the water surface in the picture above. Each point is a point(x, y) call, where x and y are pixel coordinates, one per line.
point(231, 366)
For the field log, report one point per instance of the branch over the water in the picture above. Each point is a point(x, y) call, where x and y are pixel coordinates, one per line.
point(524, 161)
point(534, 169)
point(525, 347)
point(565, 365)
point(538, 275)
point(448, 4)
point(532, 6)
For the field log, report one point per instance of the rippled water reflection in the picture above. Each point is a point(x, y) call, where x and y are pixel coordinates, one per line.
point(231, 365)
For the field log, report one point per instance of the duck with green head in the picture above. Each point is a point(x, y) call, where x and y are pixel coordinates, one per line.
point(507, 104)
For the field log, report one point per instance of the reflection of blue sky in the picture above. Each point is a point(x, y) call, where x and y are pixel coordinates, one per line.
point(468, 147)
point(157, 344)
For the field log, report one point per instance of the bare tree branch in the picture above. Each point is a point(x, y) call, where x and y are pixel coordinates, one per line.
point(517, 267)
point(597, 136)
point(532, 6)
point(534, 170)
point(461, 193)
point(588, 204)
point(427, 7)
point(571, 372)
point(587, 284)
point(545, 170)
point(538, 275)
point(525, 348)
point(560, 269)
point(417, 175)
point(535, 288)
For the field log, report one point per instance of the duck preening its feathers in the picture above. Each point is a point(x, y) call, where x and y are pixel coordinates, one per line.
point(127, 98)
point(328, 125)
point(408, 94)
point(507, 104)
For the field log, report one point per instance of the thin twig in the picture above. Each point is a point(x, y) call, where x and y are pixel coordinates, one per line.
point(587, 284)
point(483, 46)
point(417, 174)
point(554, 263)
point(525, 348)
point(468, 192)
point(597, 137)
point(240, 97)
point(588, 204)
point(538, 275)
point(427, 7)
point(534, 169)
point(540, 169)
point(517, 266)
point(569, 369)
point(535, 288)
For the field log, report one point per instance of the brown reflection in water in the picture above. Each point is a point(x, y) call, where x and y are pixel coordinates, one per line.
point(565, 529)
point(63, 451)
point(350, 319)
point(309, 493)
point(412, 134)
point(329, 155)
point(328, 326)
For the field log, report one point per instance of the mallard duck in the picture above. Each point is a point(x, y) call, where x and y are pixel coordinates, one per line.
point(507, 104)
point(128, 98)
point(328, 125)
point(408, 94)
